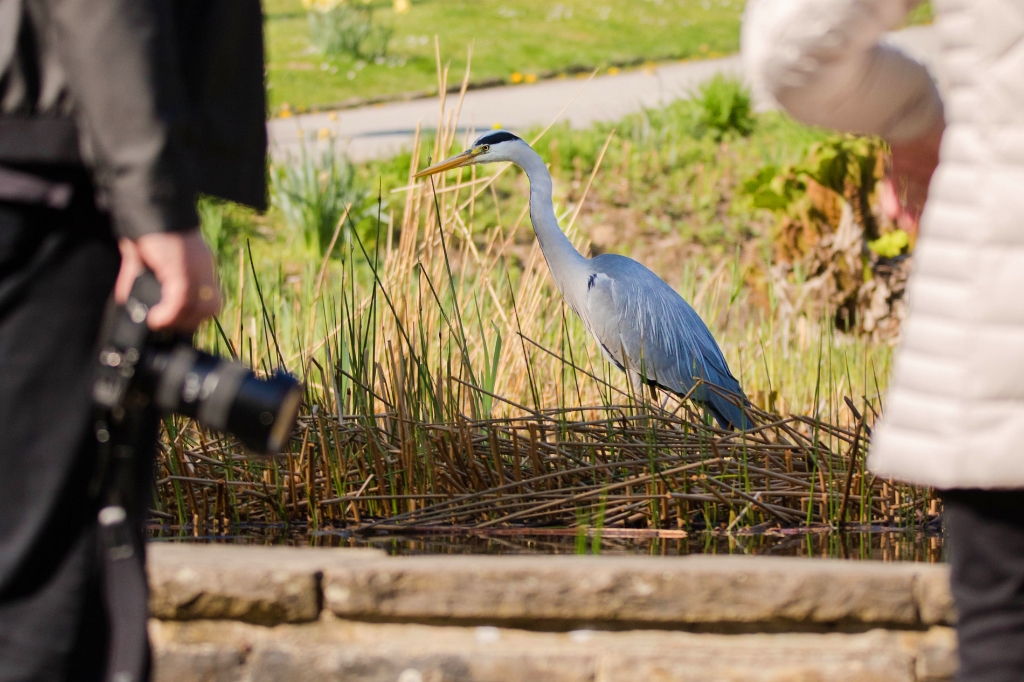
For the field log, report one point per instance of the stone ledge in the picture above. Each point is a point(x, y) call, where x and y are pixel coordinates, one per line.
point(288, 585)
point(266, 585)
point(763, 594)
point(331, 649)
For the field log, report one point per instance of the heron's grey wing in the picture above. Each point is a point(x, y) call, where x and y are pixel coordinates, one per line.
point(643, 324)
point(602, 317)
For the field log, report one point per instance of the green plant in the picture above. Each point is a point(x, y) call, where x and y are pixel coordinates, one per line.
point(827, 229)
point(725, 107)
point(211, 222)
point(844, 166)
point(346, 29)
point(890, 245)
point(223, 227)
point(313, 193)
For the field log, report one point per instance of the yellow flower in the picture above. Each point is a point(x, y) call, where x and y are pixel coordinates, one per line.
point(517, 77)
point(704, 48)
point(531, 78)
point(613, 70)
point(401, 6)
point(285, 113)
point(333, 115)
point(496, 126)
point(321, 5)
point(890, 245)
point(323, 134)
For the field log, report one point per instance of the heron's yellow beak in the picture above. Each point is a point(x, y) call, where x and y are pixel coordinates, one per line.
point(457, 161)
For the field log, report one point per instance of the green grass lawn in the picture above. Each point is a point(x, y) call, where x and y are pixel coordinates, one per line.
point(527, 37)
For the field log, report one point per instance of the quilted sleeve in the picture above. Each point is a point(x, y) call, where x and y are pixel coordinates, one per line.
point(821, 61)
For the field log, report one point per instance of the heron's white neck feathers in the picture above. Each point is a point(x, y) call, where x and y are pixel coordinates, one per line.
point(568, 267)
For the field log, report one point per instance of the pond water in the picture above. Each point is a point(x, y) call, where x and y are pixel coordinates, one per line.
point(876, 543)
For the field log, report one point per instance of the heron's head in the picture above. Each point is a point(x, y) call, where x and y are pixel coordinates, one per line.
point(494, 145)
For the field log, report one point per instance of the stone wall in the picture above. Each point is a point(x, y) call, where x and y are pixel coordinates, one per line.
point(256, 613)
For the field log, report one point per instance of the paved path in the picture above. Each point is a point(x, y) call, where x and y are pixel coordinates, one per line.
point(378, 130)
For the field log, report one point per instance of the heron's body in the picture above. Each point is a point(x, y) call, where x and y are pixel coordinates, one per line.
point(641, 324)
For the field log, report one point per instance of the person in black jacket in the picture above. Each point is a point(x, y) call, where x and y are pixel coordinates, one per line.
point(114, 115)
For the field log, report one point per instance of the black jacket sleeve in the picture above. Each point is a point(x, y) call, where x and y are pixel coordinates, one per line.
point(122, 70)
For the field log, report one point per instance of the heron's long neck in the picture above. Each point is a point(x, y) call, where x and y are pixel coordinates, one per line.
point(561, 255)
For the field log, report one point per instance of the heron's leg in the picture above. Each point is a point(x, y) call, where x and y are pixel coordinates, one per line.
point(640, 386)
point(636, 383)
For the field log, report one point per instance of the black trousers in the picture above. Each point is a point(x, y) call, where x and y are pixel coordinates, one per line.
point(57, 269)
point(985, 532)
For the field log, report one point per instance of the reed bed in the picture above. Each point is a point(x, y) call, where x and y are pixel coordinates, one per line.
point(638, 464)
point(634, 465)
point(448, 386)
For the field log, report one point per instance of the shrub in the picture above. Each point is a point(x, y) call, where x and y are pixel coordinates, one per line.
point(312, 195)
point(337, 27)
point(211, 221)
point(223, 226)
point(725, 107)
point(827, 230)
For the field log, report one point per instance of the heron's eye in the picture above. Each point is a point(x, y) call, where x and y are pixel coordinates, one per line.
point(487, 147)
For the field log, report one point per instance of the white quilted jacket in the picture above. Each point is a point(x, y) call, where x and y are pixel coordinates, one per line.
point(954, 415)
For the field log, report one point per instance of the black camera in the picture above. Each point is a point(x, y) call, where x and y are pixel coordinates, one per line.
point(138, 366)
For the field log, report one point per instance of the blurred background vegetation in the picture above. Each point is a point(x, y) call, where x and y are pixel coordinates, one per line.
point(322, 52)
point(513, 41)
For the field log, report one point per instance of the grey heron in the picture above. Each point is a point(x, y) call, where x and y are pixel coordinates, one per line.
point(641, 324)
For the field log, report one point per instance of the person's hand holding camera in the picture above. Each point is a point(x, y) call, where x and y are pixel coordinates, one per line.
point(183, 265)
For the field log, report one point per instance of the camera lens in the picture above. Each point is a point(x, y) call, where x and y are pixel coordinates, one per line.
point(225, 396)
point(264, 411)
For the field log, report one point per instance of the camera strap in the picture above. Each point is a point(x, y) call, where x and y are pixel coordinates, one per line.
point(125, 590)
point(118, 433)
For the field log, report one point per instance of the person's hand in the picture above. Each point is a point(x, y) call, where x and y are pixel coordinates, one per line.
point(184, 267)
point(904, 190)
